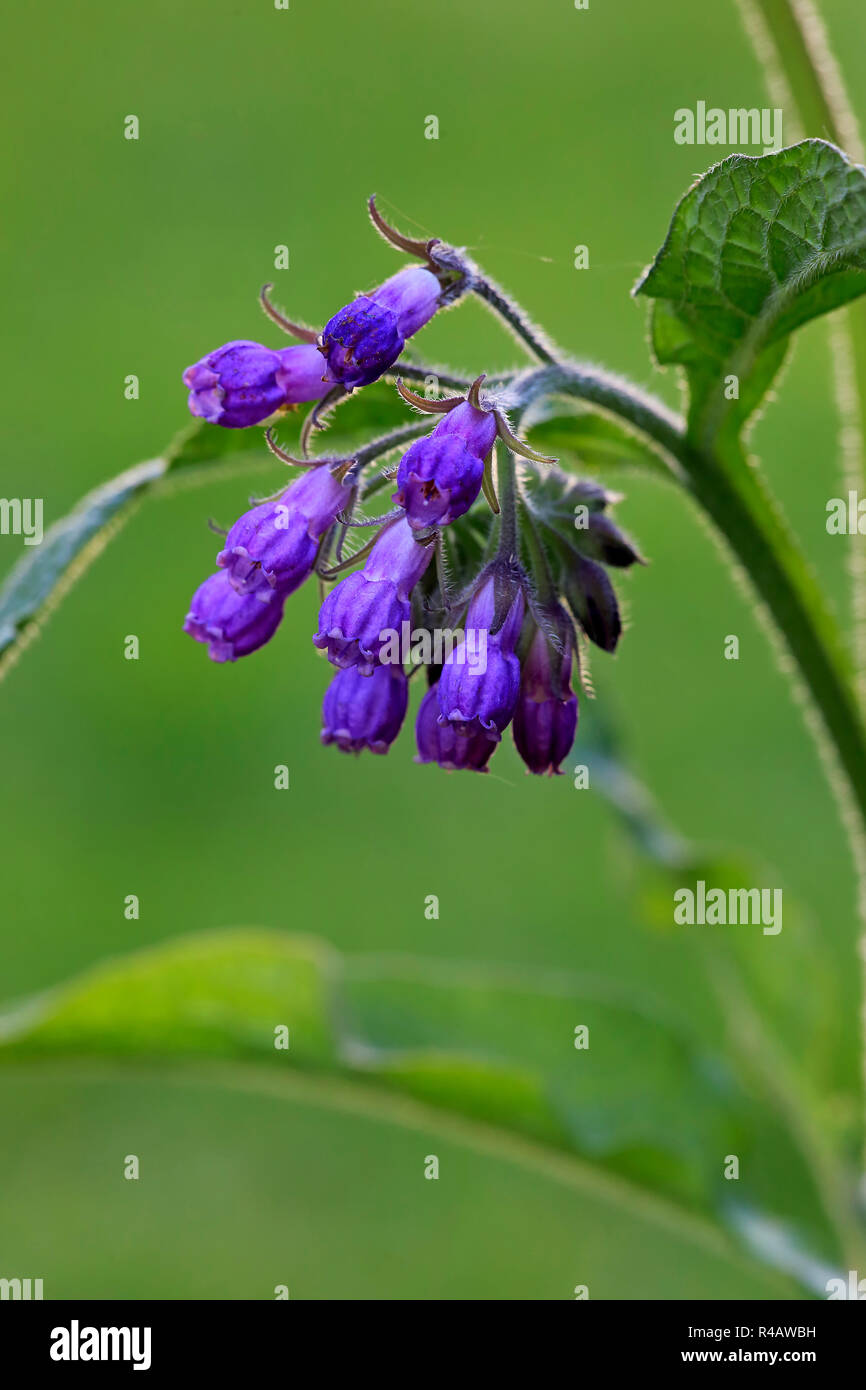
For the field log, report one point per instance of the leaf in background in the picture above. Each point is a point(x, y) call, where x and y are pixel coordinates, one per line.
point(555, 496)
point(587, 440)
point(758, 246)
point(46, 572)
point(803, 1020)
point(664, 1132)
point(217, 995)
point(474, 1046)
point(782, 1038)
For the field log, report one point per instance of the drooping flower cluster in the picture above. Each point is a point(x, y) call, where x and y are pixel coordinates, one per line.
point(523, 590)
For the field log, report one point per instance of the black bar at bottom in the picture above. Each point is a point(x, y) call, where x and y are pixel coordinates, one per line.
point(218, 1338)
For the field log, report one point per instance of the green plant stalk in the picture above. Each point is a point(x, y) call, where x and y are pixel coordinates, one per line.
point(743, 517)
point(791, 42)
point(819, 654)
point(506, 488)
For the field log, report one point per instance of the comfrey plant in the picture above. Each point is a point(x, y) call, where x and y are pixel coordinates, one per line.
point(488, 571)
point(473, 536)
point(491, 552)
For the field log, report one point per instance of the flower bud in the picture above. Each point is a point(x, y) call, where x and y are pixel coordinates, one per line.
point(365, 711)
point(232, 624)
point(606, 542)
point(276, 543)
point(477, 427)
point(545, 720)
point(592, 599)
point(243, 383)
point(366, 337)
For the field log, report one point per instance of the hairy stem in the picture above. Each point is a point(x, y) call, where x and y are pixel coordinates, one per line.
point(412, 371)
point(745, 520)
point(791, 41)
point(511, 313)
point(385, 444)
point(539, 564)
point(506, 486)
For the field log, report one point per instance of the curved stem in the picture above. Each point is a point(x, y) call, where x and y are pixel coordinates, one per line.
point(819, 654)
point(377, 448)
point(637, 408)
point(508, 310)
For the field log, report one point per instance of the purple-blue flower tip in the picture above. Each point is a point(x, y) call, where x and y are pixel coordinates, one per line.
point(232, 624)
point(361, 712)
point(362, 612)
point(366, 337)
point(443, 744)
point(243, 383)
point(483, 694)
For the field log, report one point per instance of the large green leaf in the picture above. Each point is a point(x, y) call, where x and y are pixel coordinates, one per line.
point(448, 1039)
point(758, 246)
point(488, 1050)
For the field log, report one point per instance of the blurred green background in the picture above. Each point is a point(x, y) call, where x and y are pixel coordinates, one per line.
point(155, 777)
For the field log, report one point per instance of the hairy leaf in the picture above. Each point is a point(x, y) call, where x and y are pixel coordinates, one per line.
point(758, 246)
